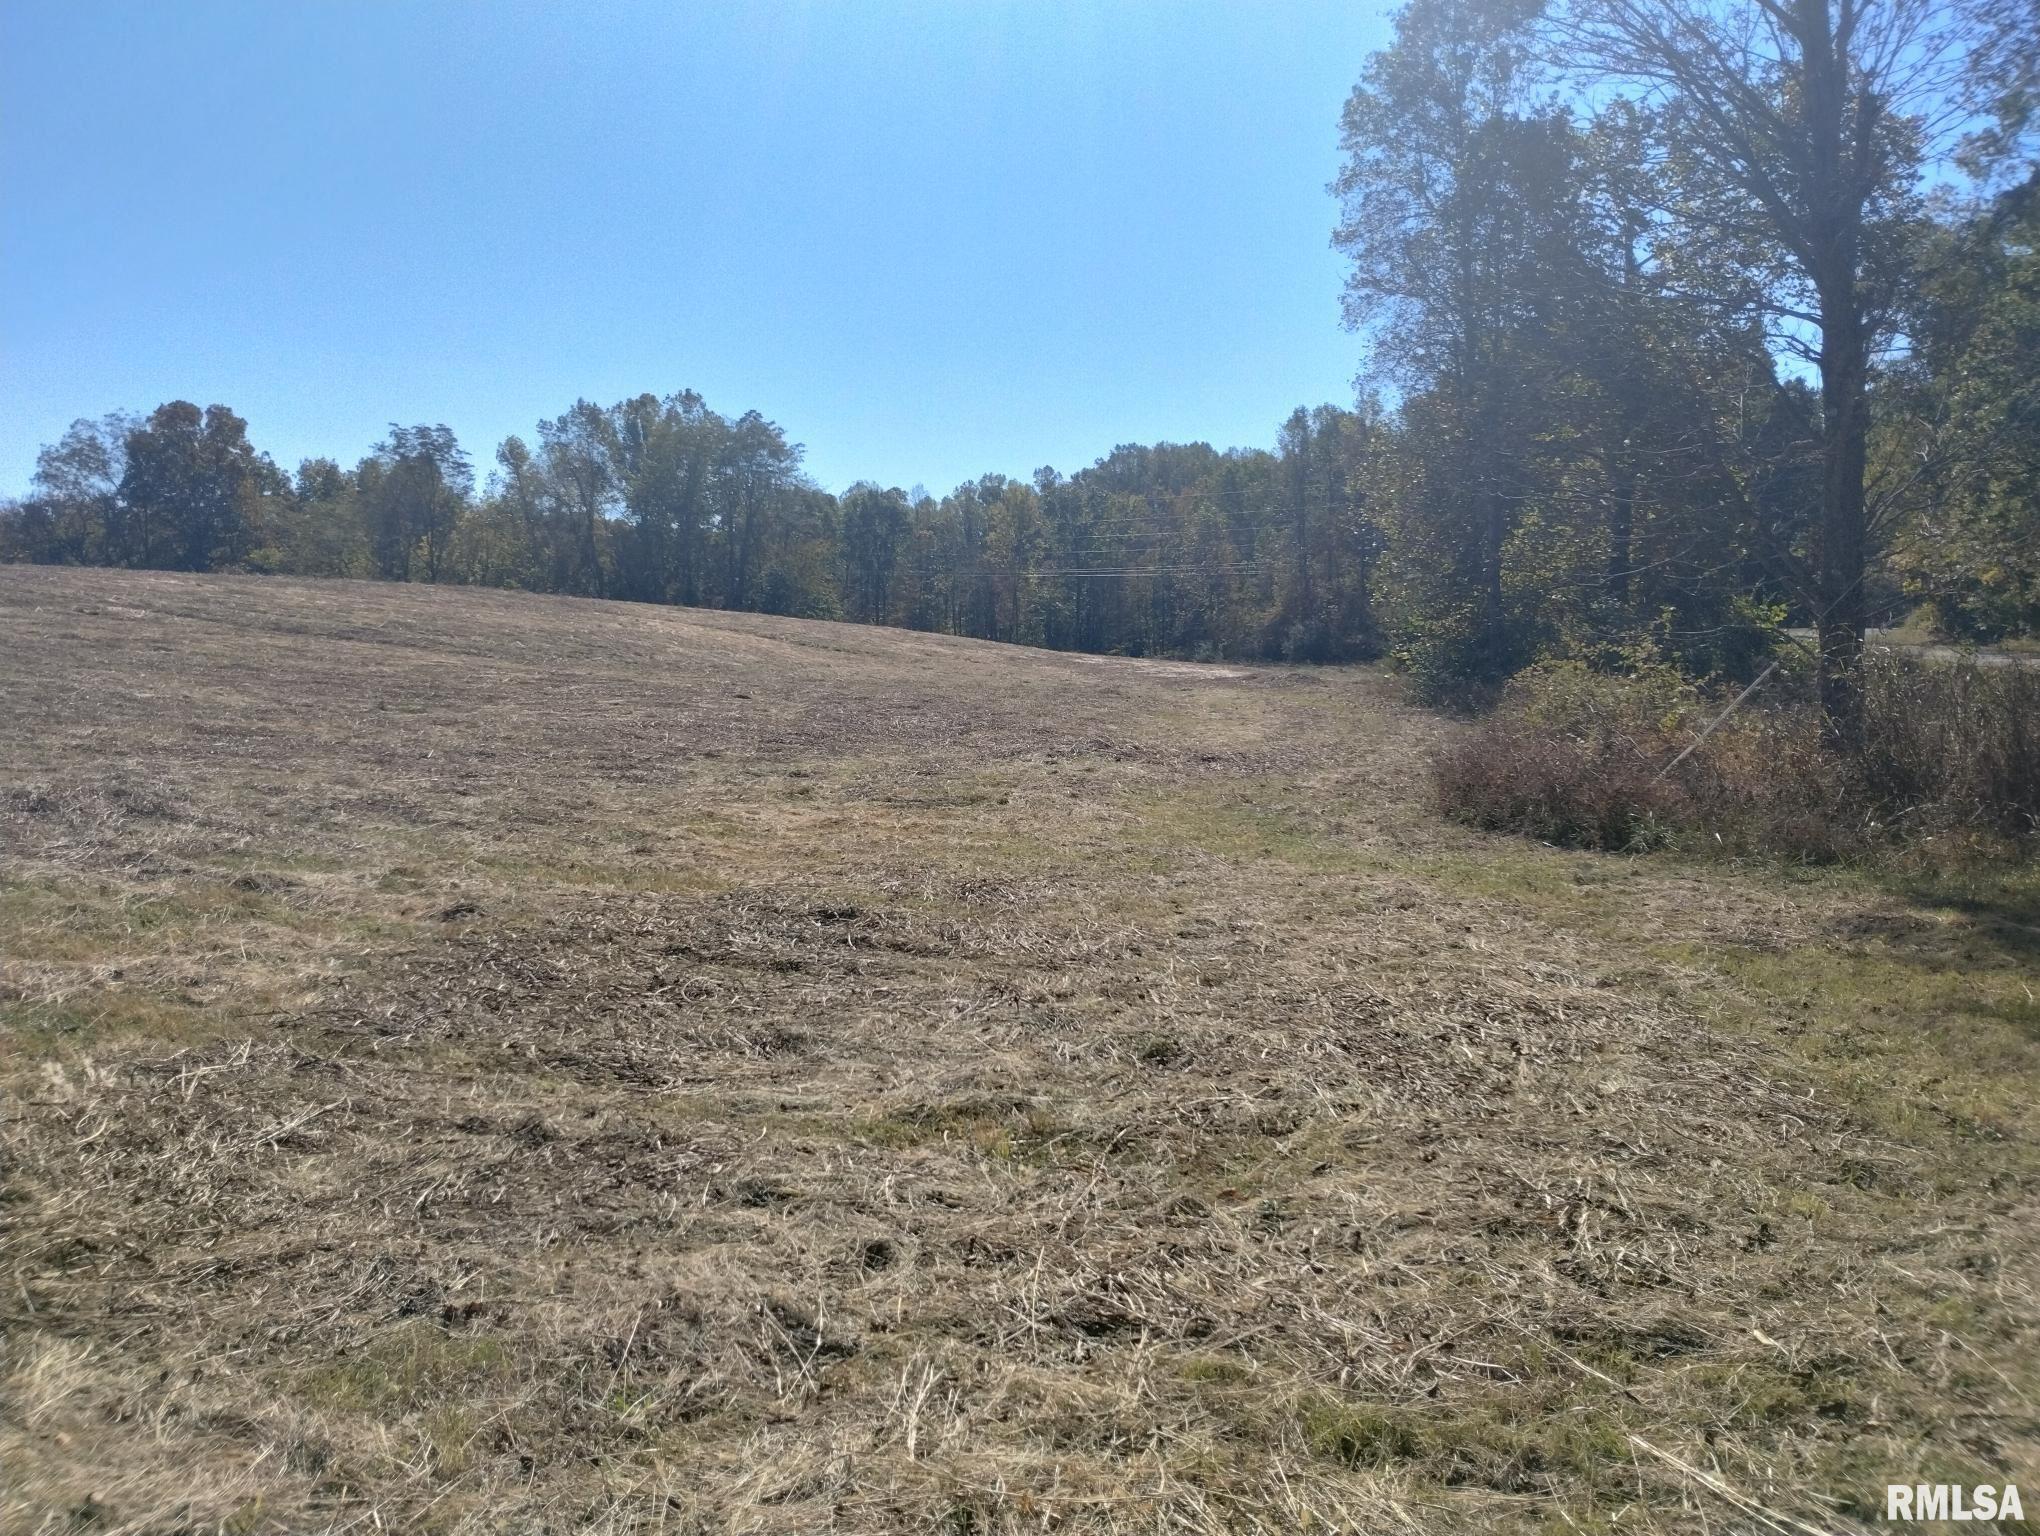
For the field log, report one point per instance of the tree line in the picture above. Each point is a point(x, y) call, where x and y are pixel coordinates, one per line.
point(1685, 320)
point(1177, 549)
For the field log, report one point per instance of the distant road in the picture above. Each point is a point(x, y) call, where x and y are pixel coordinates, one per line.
point(1983, 656)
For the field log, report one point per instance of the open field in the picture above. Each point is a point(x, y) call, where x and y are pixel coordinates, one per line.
point(483, 1062)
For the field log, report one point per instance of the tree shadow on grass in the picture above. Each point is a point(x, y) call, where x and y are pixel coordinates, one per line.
point(2000, 909)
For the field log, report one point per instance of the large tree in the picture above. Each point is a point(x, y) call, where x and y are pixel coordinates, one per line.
point(189, 489)
point(1793, 134)
point(1462, 214)
point(415, 486)
point(875, 521)
point(72, 515)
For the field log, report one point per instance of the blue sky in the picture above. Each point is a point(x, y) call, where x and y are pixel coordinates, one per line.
point(930, 240)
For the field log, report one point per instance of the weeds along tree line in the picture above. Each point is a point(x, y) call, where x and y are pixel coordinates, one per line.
point(1686, 321)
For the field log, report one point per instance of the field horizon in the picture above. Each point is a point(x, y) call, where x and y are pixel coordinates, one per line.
point(482, 1061)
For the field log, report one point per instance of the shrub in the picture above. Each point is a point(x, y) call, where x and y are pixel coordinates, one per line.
point(1569, 756)
point(1953, 744)
point(1592, 760)
point(1510, 777)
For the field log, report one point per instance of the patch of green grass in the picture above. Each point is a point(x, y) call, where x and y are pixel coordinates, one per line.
point(1231, 827)
point(414, 1365)
point(1362, 1436)
point(88, 1021)
point(1855, 1473)
point(80, 922)
point(1214, 1370)
point(1004, 1135)
point(1808, 1205)
point(1926, 1017)
point(1557, 882)
point(624, 873)
point(1920, 1021)
point(2023, 1014)
point(1760, 1398)
point(450, 1431)
point(1925, 1036)
point(1159, 1049)
point(1996, 903)
point(1557, 1445)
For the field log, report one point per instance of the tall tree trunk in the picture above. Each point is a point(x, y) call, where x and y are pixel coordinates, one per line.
point(1494, 533)
point(1844, 443)
point(1621, 526)
point(591, 555)
point(1835, 231)
point(1622, 514)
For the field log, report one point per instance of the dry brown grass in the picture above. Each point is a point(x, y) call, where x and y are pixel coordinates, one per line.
point(480, 1062)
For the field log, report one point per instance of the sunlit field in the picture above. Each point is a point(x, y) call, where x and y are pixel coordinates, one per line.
point(479, 1062)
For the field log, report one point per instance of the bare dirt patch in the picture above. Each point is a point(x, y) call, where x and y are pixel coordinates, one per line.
point(481, 1062)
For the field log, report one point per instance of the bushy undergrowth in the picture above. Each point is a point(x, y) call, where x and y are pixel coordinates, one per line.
point(1592, 760)
point(1958, 744)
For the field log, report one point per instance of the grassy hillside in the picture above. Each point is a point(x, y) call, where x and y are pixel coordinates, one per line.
point(479, 1062)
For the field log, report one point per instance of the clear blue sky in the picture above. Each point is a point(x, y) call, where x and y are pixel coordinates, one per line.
point(930, 240)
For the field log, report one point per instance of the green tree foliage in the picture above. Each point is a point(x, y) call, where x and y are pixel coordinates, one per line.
point(876, 526)
point(73, 515)
point(188, 490)
point(1453, 191)
point(1570, 429)
point(1958, 453)
point(1792, 134)
point(1636, 277)
point(320, 529)
point(413, 491)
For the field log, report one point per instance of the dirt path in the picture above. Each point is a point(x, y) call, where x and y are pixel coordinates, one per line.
point(482, 1062)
